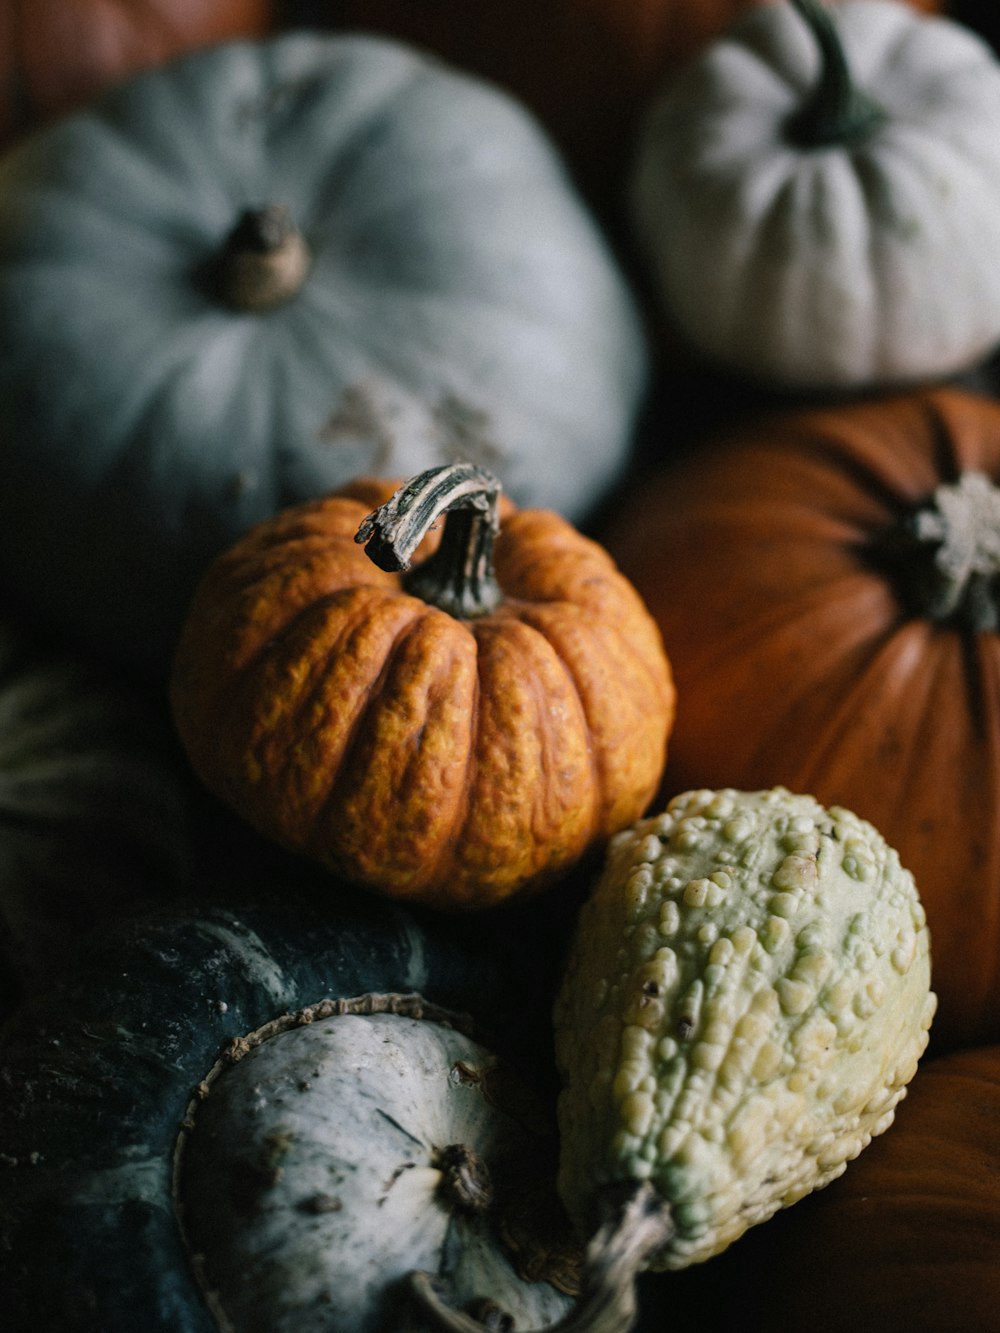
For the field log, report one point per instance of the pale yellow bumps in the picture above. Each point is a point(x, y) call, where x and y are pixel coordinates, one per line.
point(744, 1065)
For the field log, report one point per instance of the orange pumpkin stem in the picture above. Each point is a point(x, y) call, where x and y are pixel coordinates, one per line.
point(263, 263)
point(837, 111)
point(459, 577)
point(638, 1224)
point(945, 556)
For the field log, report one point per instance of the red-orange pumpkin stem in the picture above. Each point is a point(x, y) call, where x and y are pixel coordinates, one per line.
point(837, 112)
point(459, 576)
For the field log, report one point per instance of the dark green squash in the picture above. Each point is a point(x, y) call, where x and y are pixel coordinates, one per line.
point(97, 1076)
point(95, 803)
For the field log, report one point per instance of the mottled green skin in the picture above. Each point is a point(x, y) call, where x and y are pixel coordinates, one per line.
point(745, 1001)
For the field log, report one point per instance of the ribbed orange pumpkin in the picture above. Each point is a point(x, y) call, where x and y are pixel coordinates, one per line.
point(56, 54)
point(455, 735)
point(827, 583)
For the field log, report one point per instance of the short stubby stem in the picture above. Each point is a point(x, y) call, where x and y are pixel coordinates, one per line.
point(944, 556)
point(459, 577)
point(466, 1183)
point(262, 264)
point(837, 112)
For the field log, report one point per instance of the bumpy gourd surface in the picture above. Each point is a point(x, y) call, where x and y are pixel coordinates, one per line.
point(747, 996)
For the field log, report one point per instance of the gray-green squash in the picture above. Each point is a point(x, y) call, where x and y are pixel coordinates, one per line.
point(342, 1151)
point(243, 279)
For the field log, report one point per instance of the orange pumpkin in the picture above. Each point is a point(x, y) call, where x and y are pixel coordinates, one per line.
point(57, 54)
point(454, 734)
point(831, 616)
point(585, 67)
point(906, 1239)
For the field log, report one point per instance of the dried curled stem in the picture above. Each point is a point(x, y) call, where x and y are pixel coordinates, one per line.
point(458, 577)
point(638, 1225)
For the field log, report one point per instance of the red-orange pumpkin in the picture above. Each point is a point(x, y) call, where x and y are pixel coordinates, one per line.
point(834, 629)
point(56, 54)
point(907, 1239)
point(585, 67)
point(454, 734)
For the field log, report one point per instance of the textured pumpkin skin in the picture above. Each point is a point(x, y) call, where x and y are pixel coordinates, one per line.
point(97, 1074)
point(57, 54)
point(455, 762)
point(906, 1239)
point(94, 802)
point(833, 264)
point(586, 67)
point(460, 302)
point(798, 665)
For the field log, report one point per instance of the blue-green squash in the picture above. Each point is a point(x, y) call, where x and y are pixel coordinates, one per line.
point(243, 279)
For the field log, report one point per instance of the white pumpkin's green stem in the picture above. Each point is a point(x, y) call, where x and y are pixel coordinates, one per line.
point(638, 1225)
point(944, 557)
point(458, 577)
point(837, 111)
point(263, 263)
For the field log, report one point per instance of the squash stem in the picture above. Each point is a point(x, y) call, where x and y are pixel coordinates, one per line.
point(263, 263)
point(837, 112)
point(458, 577)
point(944, 557)
point(638, 1225)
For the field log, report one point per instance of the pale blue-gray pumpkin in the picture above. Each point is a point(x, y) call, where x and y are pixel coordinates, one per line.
point(241, 280)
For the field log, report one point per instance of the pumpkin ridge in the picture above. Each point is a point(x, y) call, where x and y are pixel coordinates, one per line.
point(329, 811)
point(535, 616)
point(319, 670)
point(473, 815)
point(887, 657)
point(597, 784)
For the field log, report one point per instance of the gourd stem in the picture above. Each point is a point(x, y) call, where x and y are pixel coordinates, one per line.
point(837, 112)
point(637, 1227)
point(263, 262)
point(458, 577)
point(466, 1183)
point(944, 557)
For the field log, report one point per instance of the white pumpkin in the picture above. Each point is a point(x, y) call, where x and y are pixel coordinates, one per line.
point(824, 213)
point(435, 290)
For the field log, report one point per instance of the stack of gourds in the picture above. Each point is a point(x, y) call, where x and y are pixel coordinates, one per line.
point(500, 666)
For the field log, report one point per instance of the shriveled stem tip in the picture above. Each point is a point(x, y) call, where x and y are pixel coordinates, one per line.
point(459, 576)
point(638, 1225)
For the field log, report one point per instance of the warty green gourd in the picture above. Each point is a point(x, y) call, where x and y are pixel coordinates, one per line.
point(746, 997)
